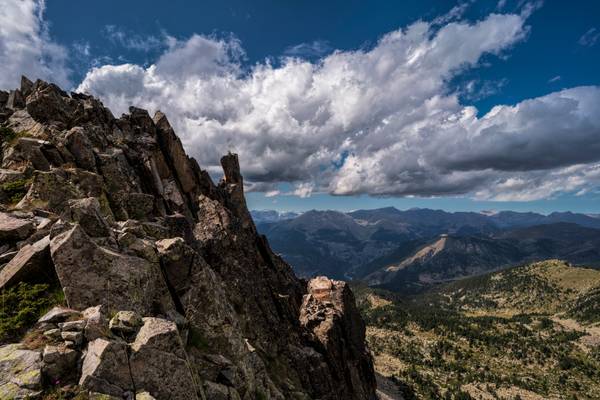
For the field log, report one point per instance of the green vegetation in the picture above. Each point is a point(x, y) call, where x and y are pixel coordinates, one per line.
point(8, 135)
point(15, 190)
point(22, 306)
point(519, 332)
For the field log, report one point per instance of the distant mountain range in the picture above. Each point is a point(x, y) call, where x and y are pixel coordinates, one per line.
point(411, 249)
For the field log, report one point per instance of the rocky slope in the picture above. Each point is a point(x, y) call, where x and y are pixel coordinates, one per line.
point(171, 292)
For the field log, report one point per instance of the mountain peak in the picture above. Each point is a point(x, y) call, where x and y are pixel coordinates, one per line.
point(159, 267)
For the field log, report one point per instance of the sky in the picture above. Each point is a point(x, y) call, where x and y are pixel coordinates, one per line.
point(456, 105)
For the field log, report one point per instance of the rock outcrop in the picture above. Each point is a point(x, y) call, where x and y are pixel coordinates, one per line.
point(172, 293)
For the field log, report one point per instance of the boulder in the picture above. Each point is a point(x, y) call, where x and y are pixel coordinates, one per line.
point(49, 104)
point(59, 363)
point(73, 326)
point(27, 150)
point(20, 372)
point(177, 258)
point(31, 264)
point(125, 323)
point(58, 314)
point(87, 213)
point(76, 338)
point(79, 146)
point(51, 191)
point(105, 368)
point(158, 348)
point(96, 323)
point(117, 281)
point(12, 229)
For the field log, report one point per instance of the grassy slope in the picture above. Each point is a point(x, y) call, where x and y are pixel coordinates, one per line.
point(531, 331)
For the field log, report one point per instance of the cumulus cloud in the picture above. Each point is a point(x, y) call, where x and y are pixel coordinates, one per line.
point(381, 121)
point(26, 48)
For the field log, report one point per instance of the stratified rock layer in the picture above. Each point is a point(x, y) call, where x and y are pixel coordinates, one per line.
point(132, 227)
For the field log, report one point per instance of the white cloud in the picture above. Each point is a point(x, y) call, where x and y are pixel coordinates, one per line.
point(316, 48)
point(554, 79)
point(133, 41)
point(272, 193)
point(303, 190)
point(26, 48)
point(389, 108)
point(589, 38)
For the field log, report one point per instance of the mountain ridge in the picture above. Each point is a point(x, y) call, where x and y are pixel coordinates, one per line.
point(168, 291)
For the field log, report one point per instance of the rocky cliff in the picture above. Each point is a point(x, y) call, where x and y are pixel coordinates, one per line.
point(170, 292)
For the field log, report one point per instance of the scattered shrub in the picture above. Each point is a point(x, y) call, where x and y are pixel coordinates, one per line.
point(22, 306)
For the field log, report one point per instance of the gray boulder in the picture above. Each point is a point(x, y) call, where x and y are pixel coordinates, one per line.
point(12, 228)
point(87, 213)
point(31, 264)
point(58, 314)
point(117, 281)
point(60, 363)
point(20, 373)
point(158, 362)
point(106, 368)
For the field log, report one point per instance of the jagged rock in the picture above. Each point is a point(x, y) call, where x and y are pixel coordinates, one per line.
point(106, 368)
point(58, 314)
point(233, 183)
point(15, 100)
point(125, 322)
point(163, 240)
point(79, 146)
point(96, 323)
point(108, 278)
point(20, 373)
point(26, 86)
point(140, 247)
point(73, 326)
point(29, 265)
point(27, 150)
point(329, 311)
point(60, 363)
point(177, 258)
point(52, 334)
point(12, 228)
point(53, 189)
point(75, 337)
point(87, 213)
point(158, 348)
point(49, 104)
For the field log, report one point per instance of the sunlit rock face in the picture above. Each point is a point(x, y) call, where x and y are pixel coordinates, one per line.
point(171, 292)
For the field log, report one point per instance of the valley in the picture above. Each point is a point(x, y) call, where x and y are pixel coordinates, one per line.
point(521, 333)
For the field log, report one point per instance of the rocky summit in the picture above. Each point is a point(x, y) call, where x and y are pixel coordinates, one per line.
point(169, 291)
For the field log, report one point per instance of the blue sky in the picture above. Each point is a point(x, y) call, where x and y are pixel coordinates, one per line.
point(324, 104)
